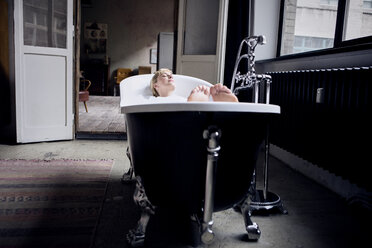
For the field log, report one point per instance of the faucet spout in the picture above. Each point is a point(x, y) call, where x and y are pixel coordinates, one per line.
point(256, 40)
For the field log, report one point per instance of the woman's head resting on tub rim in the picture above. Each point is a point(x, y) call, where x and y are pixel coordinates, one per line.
point(162, 85)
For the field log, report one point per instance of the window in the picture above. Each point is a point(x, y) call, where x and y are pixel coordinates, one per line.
point(358, 20)
point(367, 4)
point(45, 23)
point(310, 25)
point(201, 21)
point(311, 21)
point(305, 44)
point(329, 2)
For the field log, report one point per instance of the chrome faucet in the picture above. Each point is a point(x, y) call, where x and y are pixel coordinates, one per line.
point(250, 79)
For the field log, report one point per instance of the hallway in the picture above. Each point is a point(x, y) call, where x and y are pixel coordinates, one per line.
point(103, 115)
point(317, 217)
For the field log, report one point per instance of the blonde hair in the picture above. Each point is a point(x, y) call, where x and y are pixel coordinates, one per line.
point(154, 79)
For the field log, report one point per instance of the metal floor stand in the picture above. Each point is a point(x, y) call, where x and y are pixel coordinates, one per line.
point(261, 200)
point(264, 201)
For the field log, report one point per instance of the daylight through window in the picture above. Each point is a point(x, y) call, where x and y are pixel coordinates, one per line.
point(310, 25)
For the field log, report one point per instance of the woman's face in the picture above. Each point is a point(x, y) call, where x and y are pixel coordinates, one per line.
point(165, 84)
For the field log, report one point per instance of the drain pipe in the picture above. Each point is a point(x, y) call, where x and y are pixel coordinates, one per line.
point(250, 27)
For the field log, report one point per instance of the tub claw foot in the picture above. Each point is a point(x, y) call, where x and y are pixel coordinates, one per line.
point(128, 176)
point(253, 230)
point(136, 238)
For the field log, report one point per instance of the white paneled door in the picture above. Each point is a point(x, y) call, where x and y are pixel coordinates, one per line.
point(43, 66)
point(201, 39)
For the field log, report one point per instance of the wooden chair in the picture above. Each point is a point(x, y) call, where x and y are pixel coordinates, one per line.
point(84, 94)
point(121, 74)
point(144, 69)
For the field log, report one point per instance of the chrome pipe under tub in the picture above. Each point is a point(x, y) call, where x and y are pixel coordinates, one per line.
point(212, 135)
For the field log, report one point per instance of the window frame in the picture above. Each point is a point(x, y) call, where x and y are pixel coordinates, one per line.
point(339, 45)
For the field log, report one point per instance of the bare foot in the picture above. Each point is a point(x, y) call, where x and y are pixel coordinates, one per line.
point(221, 93)
point(200, 94)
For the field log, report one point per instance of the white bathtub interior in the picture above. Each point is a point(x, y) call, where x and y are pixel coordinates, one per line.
point(135, 93)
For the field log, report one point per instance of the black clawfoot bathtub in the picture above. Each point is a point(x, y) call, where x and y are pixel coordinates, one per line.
point(194, 158)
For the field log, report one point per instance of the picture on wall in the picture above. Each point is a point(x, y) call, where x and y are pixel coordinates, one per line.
point(153, 55)
point(95, 37)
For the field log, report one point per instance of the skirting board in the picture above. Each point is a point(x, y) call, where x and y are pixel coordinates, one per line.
point(335, 183)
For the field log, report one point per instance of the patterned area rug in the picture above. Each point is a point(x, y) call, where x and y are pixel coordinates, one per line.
point(51, 203)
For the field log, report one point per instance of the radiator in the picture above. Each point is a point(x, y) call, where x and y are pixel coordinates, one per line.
point(326, 119)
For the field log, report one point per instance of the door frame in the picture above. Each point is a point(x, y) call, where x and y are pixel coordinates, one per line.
point(77, 12)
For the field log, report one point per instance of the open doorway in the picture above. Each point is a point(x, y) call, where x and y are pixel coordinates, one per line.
point(115, 34)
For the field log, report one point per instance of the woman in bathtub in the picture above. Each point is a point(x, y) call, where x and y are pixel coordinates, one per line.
point(162, 85)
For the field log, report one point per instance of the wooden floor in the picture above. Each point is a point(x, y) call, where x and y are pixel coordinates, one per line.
point(103, 115)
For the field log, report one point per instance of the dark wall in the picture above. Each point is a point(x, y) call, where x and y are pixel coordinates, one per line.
point(331, 134)
point(325, 119)
point(237, 30)
point(7, 86)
